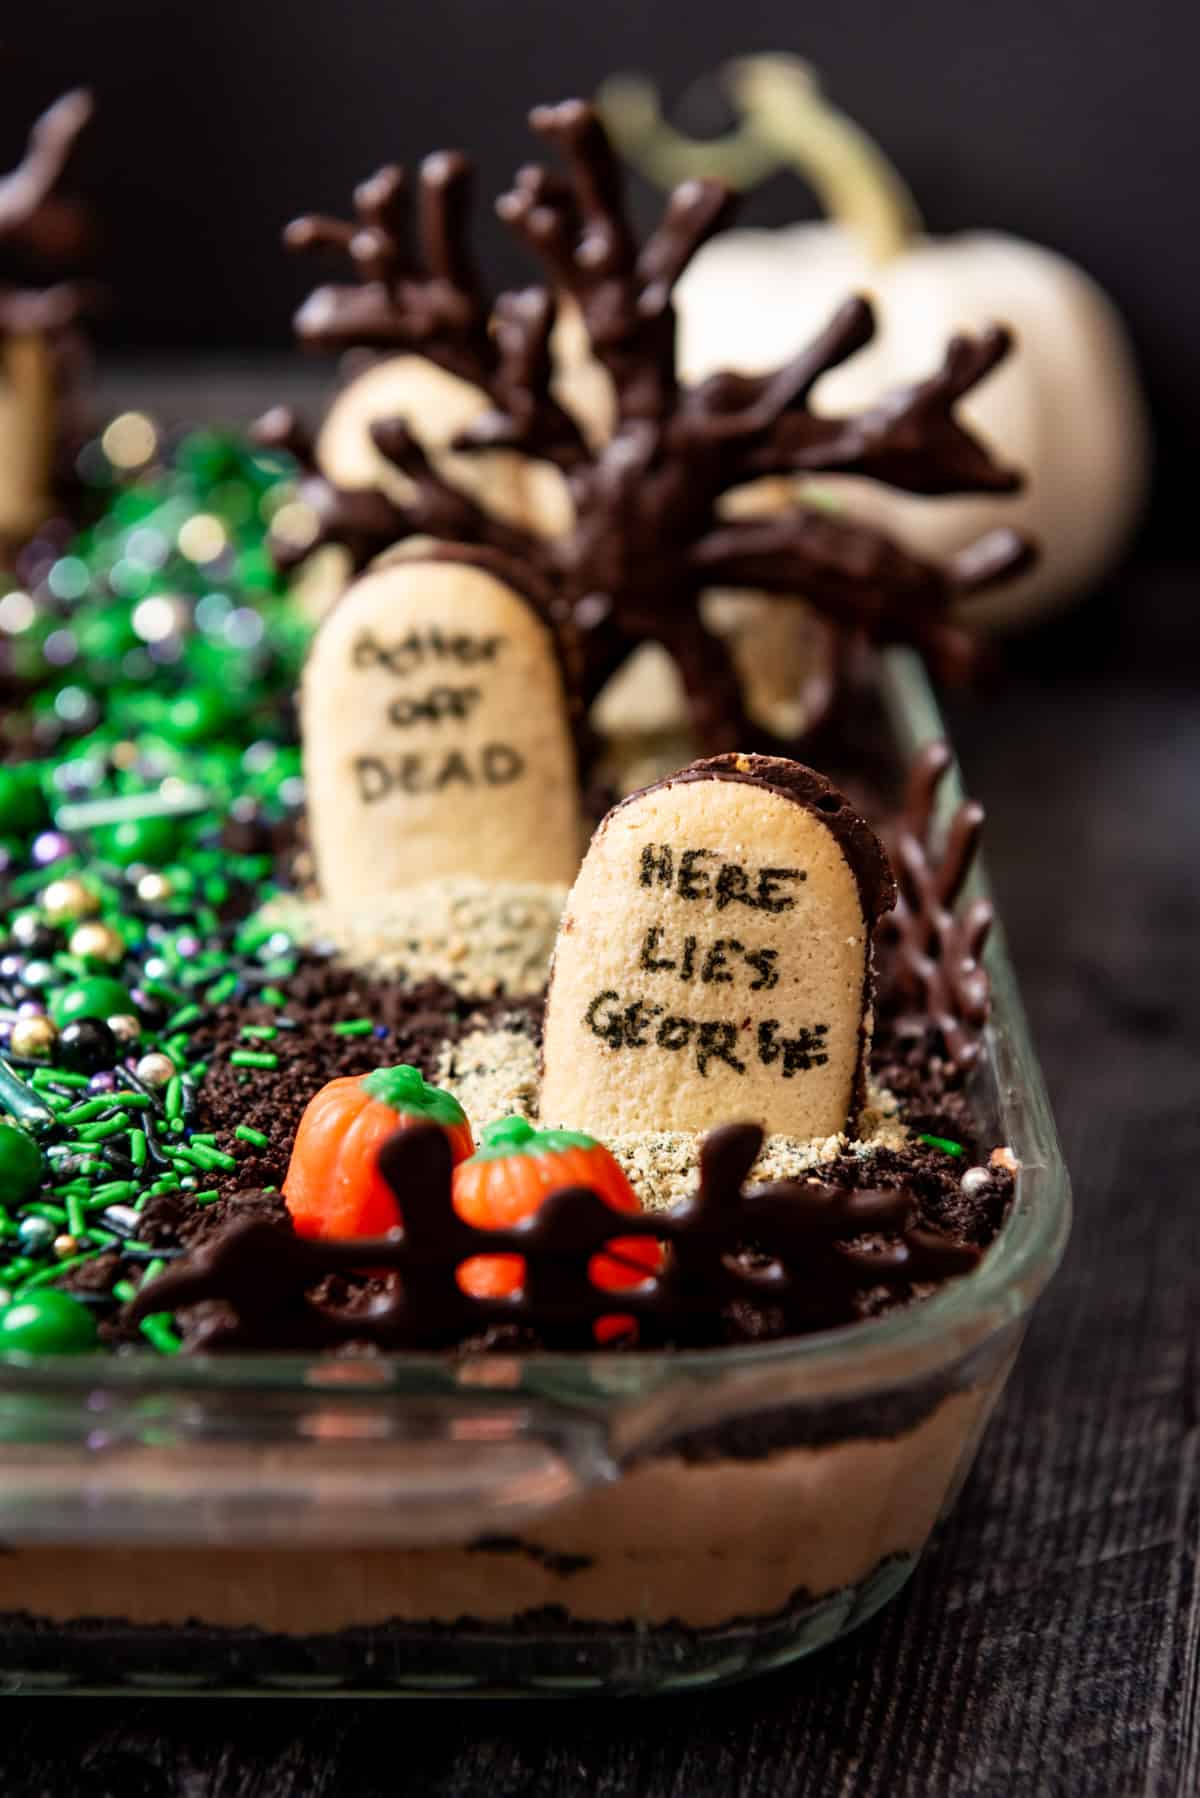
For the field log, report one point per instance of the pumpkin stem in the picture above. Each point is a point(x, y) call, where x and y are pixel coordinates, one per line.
point(787, 121)
point(849, 173)
point(517, 1136)
point(406, 1090)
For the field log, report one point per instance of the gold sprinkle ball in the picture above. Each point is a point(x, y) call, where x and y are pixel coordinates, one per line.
point(66, 901)
point(153, 888)
point(155, 1069)
point(33, 1038)
point(97, 942)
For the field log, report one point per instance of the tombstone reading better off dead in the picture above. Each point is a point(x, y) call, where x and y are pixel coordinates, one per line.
point(436, 737)
point(713, 962)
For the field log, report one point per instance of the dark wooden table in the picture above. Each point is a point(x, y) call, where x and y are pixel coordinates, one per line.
point(1050, 1641)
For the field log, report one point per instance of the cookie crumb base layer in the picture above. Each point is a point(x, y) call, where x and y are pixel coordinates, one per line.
point(540, 1652)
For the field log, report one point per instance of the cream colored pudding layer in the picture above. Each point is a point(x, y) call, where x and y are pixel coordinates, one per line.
point(699, 1544)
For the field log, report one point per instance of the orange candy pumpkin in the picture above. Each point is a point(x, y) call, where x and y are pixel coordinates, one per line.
point(514, 1169)
point(333, 1186)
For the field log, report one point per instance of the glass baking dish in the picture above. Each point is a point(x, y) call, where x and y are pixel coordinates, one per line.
point(547, 1523)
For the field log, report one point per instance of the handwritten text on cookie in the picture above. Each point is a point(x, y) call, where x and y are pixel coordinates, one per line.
point(452, 667)
point(673, 955)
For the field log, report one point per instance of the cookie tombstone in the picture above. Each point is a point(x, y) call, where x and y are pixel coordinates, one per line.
point(435, 733)
point(713, 962)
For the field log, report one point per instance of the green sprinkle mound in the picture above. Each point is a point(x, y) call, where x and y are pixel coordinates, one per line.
point(149, 782)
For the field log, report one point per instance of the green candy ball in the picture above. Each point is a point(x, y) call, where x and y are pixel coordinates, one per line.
point(196, 715)
point(152, 840)
point(47, 1322)
point(95, 998)
point(20, 1164)
point(22, 807)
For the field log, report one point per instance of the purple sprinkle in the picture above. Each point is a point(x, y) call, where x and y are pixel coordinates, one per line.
point(29, 1008)
point(104, 1082)
point(51, 846)
point(380, 1030)
point(187, 945)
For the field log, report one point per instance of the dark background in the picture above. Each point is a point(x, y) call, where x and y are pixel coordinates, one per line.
point(1069, 121)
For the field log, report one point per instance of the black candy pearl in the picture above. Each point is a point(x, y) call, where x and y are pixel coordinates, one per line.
point(88, 1046)
point(36, 939)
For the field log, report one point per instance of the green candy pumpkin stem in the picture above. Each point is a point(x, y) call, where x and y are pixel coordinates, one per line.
point(786, 121)
point(406, 1090)
point(517, 1136)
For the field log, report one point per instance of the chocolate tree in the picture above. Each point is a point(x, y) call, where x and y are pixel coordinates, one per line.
point(648, 535)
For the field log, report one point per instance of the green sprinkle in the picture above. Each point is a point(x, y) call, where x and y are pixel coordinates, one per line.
point(265, 1031)
point(137, 1147)
point(174, 1099)
point(157, 990)
point(185, 1017)
point(217, 1158)
point(205, 1198)
point(42, 1078)
point(124, 1290)
point(112, 1192)
point(250, 1135)
point(354, 1027)
point(94, 1133)
point(76, 1222)
point(91, 1108)
point(221, 989)
point(158, 1331)
point(185, 1156)
point(943, 1142)
point(102, 1239)
point(271, 995)
point(54, 1214)
point(251, 1058)
point(153, 1269)
point(197, 1071)
point(206, 1137)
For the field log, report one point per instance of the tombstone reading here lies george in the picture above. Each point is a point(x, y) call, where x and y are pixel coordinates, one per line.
point(713, 960)
point(435, 730)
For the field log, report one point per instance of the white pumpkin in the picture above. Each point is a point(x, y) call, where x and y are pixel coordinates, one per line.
point(1066, 408)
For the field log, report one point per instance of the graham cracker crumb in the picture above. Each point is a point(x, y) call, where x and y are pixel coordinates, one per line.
point(484, 938)
point(663, 1165)
point(492, 1071)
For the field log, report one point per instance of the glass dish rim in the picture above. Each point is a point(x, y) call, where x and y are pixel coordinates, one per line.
point(863, 1356)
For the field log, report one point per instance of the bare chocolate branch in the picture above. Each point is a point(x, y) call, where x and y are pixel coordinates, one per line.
point(363, 521)
point(438, 508)
point(27, 189)
point(911, 440)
